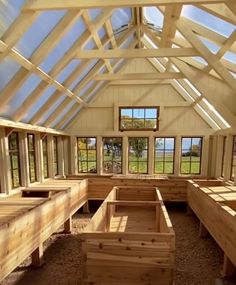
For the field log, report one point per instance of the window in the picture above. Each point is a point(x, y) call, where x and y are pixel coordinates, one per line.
point(223, 158)
point(112, 155)
point(138, 155)
point(191, 156)
point(31, 157)
point(45, 157)
point(139, 118)
point(87, 155)
point(55, 156)
point(233, 163)
point(164, 155)
point(13, 141)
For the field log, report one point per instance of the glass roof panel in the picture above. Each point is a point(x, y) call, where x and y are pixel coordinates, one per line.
point(153, 16)
point(63, 113)
point(8, 69)
point(86, 88)
point(30, 84)
point(121, 17)
point(67, 71)
point(9, 10)
point(210, 45)
point(230, 56)
point(41, 27)
point(93, 13)
point(51, 109)
point(39, 103)
point(208, 20)
point(62, 47)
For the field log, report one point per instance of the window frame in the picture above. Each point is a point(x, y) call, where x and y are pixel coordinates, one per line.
point(55, 155)
point(87, 161)
point(223, 157)
point(136, 108)
point(232, 178)
point(17, 151)
point(200, 162)
point(34, 156)
point(174, 151)
point(138, 160)
point(45, 155)
point(112, 160)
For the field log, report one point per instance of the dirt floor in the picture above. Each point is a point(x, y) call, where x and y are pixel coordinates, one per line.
point(198, 260)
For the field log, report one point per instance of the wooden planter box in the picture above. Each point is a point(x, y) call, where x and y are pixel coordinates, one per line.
point(130, 240)
point(215, 206)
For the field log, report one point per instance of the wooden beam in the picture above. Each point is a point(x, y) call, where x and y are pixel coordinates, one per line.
point(205, 53)
point(139, 76)
point(110, 33)
point(84, 4)
point(23, 126)
point(137, 53)
point(140, 82)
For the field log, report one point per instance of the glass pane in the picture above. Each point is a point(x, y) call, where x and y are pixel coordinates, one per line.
point(92, 167)
point(150, 123)
point(91, 143)
point(195, 168)
point(133, 167)
point(83, 155)
point(15, 161)
point(169, 156)
point(127, 113)
point(82, 143)
point(159, 155)
point(126, 123)
point(91, 155)
point(185, 156)
point(138, 113)
point(185, 168)
point(169, 168)
point(16, 179)
point(169, 143)
point(159, 167)
point(159, 143)
point(151, 113)
point(138, 123)
point(117, 167)
point(13, 141)
point(82, 166)
point(186, 144)
point(107, 167)
point(142, 167)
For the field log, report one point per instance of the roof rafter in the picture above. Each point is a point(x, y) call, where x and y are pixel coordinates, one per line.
point(139, 76)
point(36, 5)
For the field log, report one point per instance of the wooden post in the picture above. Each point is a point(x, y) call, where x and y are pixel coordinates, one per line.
point(5, 176)
point(151, 154)
point(68, 226)
point(73, 156)
point(24, 159)
point(177, 155)
point(37, 257)
point(99, 155)
point(228, 267)
point(125, 156)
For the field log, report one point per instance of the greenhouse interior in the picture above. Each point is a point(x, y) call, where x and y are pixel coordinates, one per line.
point(118, 142)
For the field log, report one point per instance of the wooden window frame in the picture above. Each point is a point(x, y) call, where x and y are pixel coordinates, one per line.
point(147, 149)
point(112, 160)
point(45, 157)
point(87, 161)
point(223, 157)
point(136, 108)
point(33, 152)
point(190, 162)
point(17, 151)
point(232, 160)
point(164, 155)
point(55, 155)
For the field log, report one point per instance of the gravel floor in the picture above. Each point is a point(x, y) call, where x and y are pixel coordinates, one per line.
point(198, 260)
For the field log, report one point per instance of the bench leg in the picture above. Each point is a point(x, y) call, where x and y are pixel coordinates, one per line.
point(228, 267)
point(68, 226)
point(37, 257)
point(203, 232)
point(86, 208)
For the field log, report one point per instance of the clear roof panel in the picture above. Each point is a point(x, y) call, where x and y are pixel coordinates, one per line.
point(39, 103)
point(230, 56)
point(22, 94)
point(210, 45)
point(68, 70)
point(8, 69)
point(9, 10)
point(64, 112)
point(86, 88)
point(41, 27)
point(93, 13)
point(121, 17)
point(51, 109)
point(208, 20)
point(153, 16)
point(90, 45)
point(62, 47)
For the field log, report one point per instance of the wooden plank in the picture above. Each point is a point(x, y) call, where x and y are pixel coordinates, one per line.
point(139, 76)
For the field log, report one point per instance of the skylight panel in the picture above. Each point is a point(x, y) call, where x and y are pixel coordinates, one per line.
point(193, 87)
point(63, 46)
point(21, 95)
point(210, 45)
point(187, 96)
point(200, 60)
point(63, 113)
point(9, 10)
point(230, 56)
point(101, 32)
point(121, 17)
point(8, 68)
point(41, 27)
point(90, 45)
point(127, 42)
point(93, 13)
point(208, 20)
point(86, 88)
point(211, 121)
point(153, 16)
point(67, 71)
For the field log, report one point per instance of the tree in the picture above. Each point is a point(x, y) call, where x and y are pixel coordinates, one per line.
point(138, 145)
